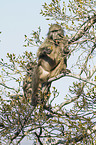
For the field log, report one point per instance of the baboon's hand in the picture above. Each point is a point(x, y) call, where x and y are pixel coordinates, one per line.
point(66, 71)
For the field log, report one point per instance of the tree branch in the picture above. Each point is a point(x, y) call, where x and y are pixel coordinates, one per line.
point(7, 87)
point(23, 124)
point(77, 138)
point(85, 63)
point(38, 136)
point(73, 76)
point(80, 78)
point(86, 25)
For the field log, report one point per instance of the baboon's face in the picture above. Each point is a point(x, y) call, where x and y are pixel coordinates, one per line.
point(55, 32)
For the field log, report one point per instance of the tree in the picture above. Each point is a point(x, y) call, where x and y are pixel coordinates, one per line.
point(56, 125)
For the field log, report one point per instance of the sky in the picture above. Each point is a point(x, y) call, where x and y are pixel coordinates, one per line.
point(19, 18)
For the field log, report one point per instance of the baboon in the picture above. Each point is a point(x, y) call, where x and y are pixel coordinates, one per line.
point(52, 54)
point(52, 60)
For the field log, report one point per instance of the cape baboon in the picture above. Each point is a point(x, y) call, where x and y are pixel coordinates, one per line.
point(52, 60)
point(52, 54)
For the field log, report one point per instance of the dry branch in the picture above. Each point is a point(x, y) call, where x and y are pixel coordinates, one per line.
point(86, 25)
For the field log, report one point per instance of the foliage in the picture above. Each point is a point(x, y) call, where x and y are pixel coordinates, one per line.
point(56, 125)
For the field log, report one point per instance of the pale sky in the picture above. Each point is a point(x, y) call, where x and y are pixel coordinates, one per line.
point(17, 18)
point(20, 17)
